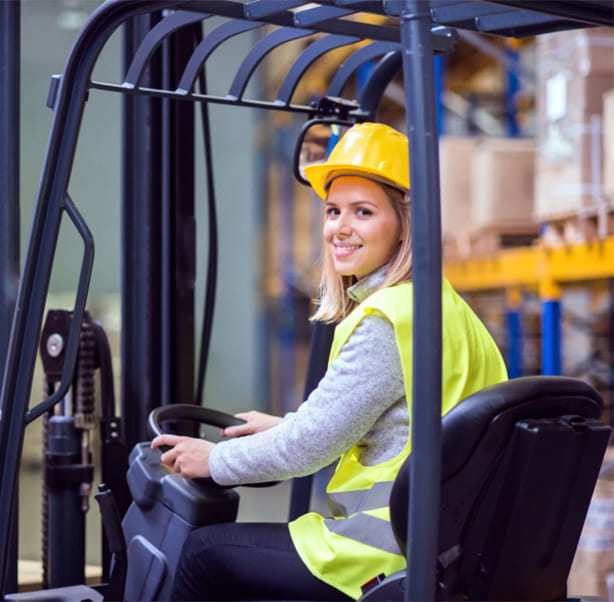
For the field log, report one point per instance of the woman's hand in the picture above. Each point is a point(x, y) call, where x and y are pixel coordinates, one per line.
point(255, 423)
point(189, 456)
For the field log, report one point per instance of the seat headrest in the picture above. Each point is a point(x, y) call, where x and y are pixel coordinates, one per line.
point(508, 402)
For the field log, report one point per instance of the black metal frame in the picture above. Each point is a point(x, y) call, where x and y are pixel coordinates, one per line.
point(10, 42)
point(9, 166)
point(406, 38)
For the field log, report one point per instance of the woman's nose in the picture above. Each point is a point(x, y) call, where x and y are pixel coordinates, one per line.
point(344, 224)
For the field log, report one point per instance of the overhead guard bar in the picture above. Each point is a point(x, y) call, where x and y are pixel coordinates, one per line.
point(314, 16)
point(257, 54)
point(307, 57)
point(286, 19)
point(600, 13)
point(212, 41)
point(452, 12)
point(357, 59)
point(259, 9)
point(522, 26)
point(154, 38)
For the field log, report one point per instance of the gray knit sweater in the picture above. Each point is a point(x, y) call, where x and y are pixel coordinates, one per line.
point(360, 400)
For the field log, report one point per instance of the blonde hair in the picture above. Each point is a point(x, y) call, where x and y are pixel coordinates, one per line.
point(334, 303)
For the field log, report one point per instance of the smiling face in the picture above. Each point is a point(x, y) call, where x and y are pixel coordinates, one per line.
point(361, 226)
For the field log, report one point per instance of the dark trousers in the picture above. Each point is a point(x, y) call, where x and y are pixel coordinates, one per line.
point(246, 561)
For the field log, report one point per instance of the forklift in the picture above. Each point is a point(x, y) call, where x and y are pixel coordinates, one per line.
point(458, 547)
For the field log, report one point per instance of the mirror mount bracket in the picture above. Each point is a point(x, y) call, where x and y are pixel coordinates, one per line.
point(336, 108)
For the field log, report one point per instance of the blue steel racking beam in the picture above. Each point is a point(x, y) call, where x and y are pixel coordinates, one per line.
point(514, 330)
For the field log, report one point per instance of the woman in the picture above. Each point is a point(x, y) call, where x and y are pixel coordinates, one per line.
point(360, 411)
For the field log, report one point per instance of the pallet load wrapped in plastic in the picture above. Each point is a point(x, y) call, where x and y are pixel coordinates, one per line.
point(574, 70)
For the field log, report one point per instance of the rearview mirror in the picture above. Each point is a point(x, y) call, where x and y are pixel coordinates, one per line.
point(316, 140)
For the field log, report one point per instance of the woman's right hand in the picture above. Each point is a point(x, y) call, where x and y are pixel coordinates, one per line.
point(255, 422)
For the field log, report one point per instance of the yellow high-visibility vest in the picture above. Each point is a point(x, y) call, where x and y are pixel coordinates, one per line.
point(357, 542)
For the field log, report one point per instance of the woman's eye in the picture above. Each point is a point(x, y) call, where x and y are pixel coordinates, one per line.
point(331, 211)
point(364, 212)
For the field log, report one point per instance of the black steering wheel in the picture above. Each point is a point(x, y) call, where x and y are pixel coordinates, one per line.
point(193, 413)
point(190, 413)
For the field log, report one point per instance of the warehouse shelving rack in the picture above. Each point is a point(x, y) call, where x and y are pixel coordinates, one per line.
point(415, 30)
point(541, 269)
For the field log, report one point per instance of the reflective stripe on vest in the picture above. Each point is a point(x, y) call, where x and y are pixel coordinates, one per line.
point(344, 503)
point(367, 529)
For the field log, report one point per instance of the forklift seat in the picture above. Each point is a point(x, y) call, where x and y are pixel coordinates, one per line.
point(520, 460)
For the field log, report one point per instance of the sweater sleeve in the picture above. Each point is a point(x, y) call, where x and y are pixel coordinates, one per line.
point(362, 383)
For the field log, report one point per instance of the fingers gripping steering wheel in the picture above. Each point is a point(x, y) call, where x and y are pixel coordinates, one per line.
point(193, 413)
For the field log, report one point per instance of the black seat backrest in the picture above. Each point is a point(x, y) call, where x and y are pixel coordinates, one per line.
point(519, 463)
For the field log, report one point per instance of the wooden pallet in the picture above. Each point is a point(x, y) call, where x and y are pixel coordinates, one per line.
point(488, 240)
point(584, 227)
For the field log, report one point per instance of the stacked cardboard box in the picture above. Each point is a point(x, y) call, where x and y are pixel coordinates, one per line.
point(487, 192)
point(574, 70)
point(455, 165)
point(503, 182)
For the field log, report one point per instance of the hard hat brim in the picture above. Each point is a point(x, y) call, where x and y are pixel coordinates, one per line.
point(320, 176)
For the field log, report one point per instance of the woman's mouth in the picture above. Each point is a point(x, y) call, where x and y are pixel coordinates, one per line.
point(345, 250)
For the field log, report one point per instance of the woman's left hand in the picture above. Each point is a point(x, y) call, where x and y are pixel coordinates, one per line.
point(189, 456)
point(255, 422)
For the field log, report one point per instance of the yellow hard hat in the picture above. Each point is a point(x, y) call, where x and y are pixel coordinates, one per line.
point(372, 150)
